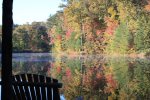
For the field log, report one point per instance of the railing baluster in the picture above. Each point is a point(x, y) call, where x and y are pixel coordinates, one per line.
point(22, 93)
point(37, 88)
point(49, 89)
point(30, 79)
point(43, 92)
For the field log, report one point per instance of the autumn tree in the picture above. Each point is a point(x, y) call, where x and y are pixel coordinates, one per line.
point(94, 26)
point(31, 37)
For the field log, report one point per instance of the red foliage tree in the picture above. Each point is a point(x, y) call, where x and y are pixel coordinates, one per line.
point(111, 25)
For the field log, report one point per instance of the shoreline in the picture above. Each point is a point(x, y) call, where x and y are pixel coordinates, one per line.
point(132, 55)
point(76, 54)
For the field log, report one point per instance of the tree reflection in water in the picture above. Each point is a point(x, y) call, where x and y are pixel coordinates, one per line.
point(95, 79)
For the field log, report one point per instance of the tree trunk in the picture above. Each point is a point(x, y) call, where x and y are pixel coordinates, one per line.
point(7, 25)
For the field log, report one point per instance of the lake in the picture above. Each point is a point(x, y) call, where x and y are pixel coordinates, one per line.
point(91, 77)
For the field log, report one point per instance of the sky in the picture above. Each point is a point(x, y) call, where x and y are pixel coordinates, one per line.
point(32, 10)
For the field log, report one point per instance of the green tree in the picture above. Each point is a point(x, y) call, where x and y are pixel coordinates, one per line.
point(20, 40)
point(120, 40)
point(142, 36)
point(31, 37)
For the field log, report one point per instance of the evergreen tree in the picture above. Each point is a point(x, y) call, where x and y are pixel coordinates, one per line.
point(120, 40)
point(142, 36)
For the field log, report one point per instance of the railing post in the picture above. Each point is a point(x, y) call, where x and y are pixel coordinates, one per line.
point(7, 25)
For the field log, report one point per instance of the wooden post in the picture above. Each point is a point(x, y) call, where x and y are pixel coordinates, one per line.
point(7, 25)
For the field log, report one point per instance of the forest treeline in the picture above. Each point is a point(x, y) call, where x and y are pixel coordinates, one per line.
point(102, 27)
point(90, 27)
point(30, 38)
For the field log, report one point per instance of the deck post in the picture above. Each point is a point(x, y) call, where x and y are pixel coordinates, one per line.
point(7, 26)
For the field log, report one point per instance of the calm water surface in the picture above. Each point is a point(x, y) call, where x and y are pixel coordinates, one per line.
point(91, 77)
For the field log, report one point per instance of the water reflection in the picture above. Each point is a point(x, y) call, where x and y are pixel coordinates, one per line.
point(93, 78)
